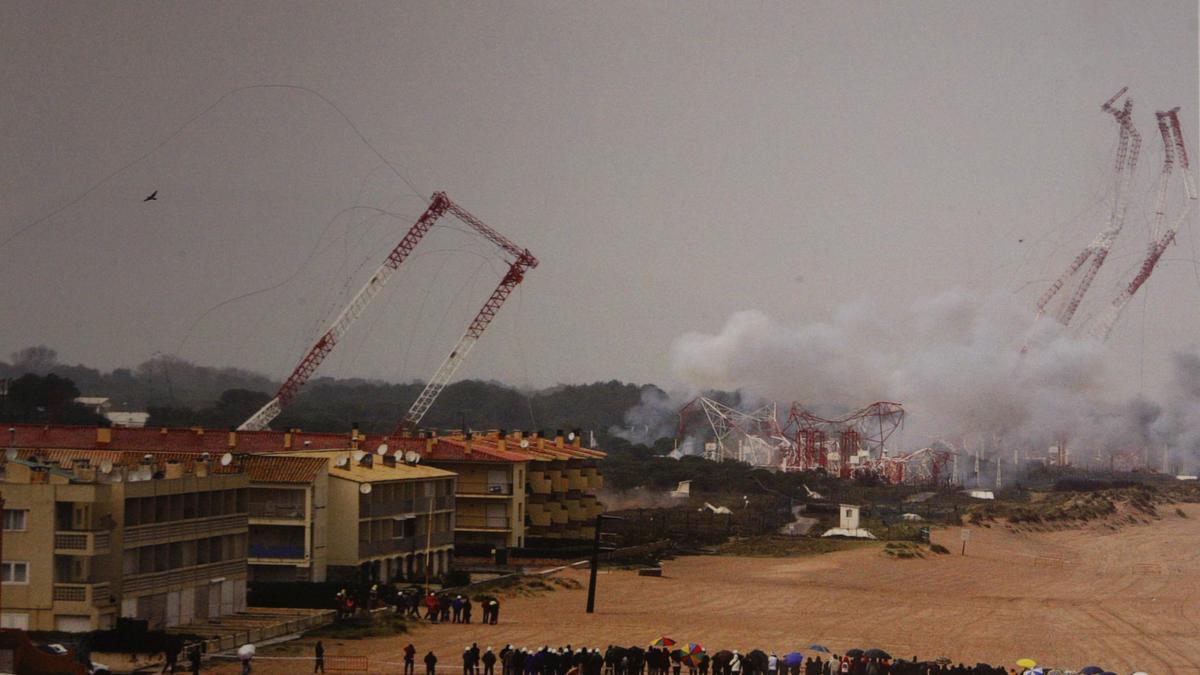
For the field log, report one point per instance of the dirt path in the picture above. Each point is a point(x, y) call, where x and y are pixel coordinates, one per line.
point(1124, 600)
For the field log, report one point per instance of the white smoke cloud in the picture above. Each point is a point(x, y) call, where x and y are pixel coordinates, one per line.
point(956, 363)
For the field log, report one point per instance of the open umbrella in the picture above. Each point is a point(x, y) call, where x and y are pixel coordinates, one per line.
point(854, 653)
point(876, 654)
point(1027, 663)
point(793, 659)
point(663, 641)
point(819, 648)
point(1091, 670)
point(694, 655)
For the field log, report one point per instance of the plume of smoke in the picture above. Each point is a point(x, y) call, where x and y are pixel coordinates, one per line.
point(954, 361)
point(1178, 425)
point(654, 417)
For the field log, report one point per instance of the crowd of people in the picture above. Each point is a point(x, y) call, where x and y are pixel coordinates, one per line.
point(615, 660)
point(443, 607)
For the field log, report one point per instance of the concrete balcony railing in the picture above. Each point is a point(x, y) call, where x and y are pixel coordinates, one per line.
point(575, 479)
point(558, 482)
point(558, 515)
point(403, 545)
point(91, 595)
point(477, 489)
point(185, 576)
point(277, 510)
point(539, 483)
point(69, 542)
point(480, 522)
point(538, 517)
point(179, 530)
point(277, 551)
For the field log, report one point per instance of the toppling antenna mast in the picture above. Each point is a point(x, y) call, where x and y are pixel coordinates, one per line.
point(1128, 147)
point(439, 206)
point(1174, 151)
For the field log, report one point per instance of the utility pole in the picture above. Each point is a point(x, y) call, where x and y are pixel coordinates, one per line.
point(591, 600)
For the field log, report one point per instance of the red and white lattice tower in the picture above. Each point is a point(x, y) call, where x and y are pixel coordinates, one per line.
point(1174, 153)
point(753, 437)
point(1128, 148)
point(866, 429)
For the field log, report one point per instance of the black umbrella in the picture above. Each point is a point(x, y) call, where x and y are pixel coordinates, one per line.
point(877, 654)
point(854, 653)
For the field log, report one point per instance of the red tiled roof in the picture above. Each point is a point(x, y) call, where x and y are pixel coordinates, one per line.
point(484, 447)
point(176, 439)
point(66, 458)
point(284, 469)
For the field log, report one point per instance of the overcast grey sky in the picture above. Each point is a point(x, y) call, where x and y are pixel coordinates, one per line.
point(669, 163)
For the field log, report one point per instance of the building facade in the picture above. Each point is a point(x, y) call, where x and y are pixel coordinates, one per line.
point(289, 513)
point(90, 536)
point(389, 521)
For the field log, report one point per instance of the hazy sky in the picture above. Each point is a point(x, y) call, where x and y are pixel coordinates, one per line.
point(669, 163)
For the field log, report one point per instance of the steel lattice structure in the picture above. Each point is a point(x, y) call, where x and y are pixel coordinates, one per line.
point(867, 428)
point(439, 206)
point(753, 437)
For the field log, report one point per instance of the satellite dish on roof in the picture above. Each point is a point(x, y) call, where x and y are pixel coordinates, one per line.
point(106, 466)
point(358, 455)
point(524, 443)
point(342, 460)
point(410, 457)
point(382, 449)
point(416, 458)
point(226, 459)
point(365, 488)
point(11, 454)
point(399, 454)
point(571, 436)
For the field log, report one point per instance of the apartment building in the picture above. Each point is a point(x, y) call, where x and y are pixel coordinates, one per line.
point(93, 535)
point(514, 488)
point(388, 520)
point(289, 514)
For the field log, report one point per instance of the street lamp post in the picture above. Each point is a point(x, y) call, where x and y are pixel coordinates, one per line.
point(591, 600)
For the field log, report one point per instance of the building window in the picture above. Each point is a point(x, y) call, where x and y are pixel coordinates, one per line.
point(14, 520)
point(12, 572)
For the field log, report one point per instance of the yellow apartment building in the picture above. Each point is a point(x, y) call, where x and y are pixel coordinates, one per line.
point(93, 535)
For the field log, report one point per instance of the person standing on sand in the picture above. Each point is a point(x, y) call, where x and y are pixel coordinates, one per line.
point(319, 657)
point(489, 662)
point(772, 664)
point(410, 654)
point(430, 663)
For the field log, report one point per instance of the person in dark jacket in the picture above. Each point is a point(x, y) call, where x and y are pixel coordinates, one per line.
point(319, 657)
point(489, 662)
point(430, 663)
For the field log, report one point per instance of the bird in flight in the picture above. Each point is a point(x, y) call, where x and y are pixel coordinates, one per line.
point(152, 198)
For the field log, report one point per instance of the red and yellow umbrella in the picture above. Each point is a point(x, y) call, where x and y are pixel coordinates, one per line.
point(694, 655)
point(663, 641)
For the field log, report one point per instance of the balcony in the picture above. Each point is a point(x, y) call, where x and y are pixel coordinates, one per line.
point(277, 510)
point(178, 530)
point(403, 545)
point(537, 514)
point(558, 514)
point(477, 523)
point(575, 479)
point(185, 576)
point(558, 482)
point(396, 507)
point(277, 551)
point(539, 483)
point(69, 542)
point(91, 595)
point(476, 490)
